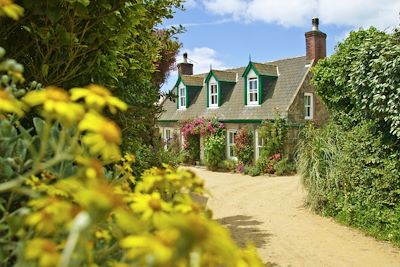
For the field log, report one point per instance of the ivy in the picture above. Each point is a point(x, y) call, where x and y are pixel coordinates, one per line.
point(361, 80)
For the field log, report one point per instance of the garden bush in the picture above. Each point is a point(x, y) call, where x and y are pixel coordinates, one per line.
point(228, 164)
point(274, 134)
point(244, 146)
point(351, 168)
point(284, 167)
point(214, 149)
point(252, 170)
point(353, 176)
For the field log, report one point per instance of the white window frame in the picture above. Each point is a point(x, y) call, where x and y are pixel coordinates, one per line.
point(167, 139)
point(182, 97)
point(309, 107)
point(229, 145)
point(211, 94)
point(258, 145)
point(253, 91)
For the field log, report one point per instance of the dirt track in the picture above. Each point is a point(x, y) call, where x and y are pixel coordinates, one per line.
point(269, 211)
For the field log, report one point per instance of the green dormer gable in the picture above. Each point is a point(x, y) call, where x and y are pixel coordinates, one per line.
point(192, 85)
point(261, 69)
point(221, 77)
point(263, 72)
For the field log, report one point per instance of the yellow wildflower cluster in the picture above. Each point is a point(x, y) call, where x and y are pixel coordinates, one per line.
point(101, 136)
point(82, 211)
point(147, 223)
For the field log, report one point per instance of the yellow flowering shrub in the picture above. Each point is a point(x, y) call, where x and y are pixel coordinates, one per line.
point(68, 198)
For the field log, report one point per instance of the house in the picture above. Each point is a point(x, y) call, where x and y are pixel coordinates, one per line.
point(250, 94)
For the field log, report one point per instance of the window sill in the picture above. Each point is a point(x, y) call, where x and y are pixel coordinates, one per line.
point(309, 118)
point(182, 109)
point(212, 107)
point(253, 105)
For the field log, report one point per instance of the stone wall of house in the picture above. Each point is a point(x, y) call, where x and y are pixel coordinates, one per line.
point(296, 110)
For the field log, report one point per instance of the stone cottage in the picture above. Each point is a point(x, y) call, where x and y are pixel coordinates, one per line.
point(250, 94)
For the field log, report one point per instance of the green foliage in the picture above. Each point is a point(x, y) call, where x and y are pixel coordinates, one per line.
point(214, 149)
point(353, 175)
point(228, 165)
point(174, 155)
point(284, 167)
point(252, 170)
point(146, 157)
point(274, 134)
point(193, 149)
point(244, 146)
point(360, 80)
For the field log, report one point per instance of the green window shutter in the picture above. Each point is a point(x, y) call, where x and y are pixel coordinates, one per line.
point(245, 90)
point(219, 93)
point(186, 97)
point(207, 94)
point(260, 87)
point(177, 100)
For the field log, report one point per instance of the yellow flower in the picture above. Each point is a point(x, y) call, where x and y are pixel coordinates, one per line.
point(50, 214)
point(9, 104)
point(148, 250)
point(103, 234)
point(8, 8)
point(44, 251)
point(97, 97)
point(103, 136)
point(149, 205)
point(56, 104)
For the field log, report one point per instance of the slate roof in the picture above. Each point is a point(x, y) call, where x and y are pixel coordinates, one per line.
point(225, 76)
point(191, 80)
point(278, 95)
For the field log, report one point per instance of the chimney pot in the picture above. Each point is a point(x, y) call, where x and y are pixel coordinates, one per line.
point(315, 23)
point(185, 57)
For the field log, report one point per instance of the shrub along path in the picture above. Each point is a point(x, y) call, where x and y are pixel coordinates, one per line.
point(270, 212)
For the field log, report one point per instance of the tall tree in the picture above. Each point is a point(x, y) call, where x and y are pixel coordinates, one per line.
point(116, 43)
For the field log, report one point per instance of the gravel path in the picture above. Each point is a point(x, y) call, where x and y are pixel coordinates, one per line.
point(269, 211)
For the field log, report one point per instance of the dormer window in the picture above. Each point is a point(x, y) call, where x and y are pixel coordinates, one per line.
point(253, 91)
point(187, 87)
point(213, 94)
point(255, 75)
point(182, 96)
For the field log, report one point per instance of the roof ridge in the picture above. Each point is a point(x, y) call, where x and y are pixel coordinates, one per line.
point(266, 62)
point(229, 70)
point(286, 58)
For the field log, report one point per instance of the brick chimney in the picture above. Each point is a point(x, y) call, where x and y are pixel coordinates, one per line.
point(185, 67)
point(315, 42)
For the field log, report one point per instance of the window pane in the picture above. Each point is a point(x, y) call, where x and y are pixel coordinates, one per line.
point(307, 100)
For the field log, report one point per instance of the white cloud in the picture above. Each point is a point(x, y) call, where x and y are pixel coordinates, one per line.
point(202, 58)
point(353, 13)
point(190, 3)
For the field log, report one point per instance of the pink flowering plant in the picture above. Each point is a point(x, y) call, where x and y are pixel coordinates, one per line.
point(199, 126)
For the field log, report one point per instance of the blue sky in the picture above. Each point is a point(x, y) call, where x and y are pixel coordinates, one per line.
point(224, 33)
